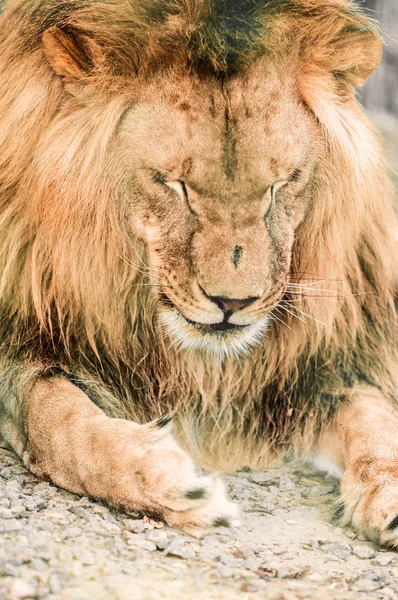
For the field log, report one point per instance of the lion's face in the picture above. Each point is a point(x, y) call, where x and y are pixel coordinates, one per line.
point(217, 183)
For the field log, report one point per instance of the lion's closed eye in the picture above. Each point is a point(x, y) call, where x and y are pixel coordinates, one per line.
point(177, 185)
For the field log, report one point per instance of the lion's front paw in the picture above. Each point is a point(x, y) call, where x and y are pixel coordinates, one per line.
point(148, 471)
point(216, 511)
point(369, 501)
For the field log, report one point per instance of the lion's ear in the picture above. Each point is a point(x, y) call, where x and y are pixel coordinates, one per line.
point(70, 52)
point(352, 57)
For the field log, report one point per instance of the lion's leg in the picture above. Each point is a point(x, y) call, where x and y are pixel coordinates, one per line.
point(71, 442)
point(363, 442)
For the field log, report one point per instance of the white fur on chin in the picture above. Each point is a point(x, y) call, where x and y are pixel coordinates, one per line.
point(222, 344)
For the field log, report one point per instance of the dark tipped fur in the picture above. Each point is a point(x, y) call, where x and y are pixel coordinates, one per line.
point(163, 421)
point(196, 494)
point(393, 525)
point(210, 35)
point(221, 522)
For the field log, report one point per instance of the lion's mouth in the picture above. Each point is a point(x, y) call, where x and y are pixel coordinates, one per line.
point(214, 327)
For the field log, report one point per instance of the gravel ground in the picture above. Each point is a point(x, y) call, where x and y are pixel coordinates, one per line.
point(57, 545)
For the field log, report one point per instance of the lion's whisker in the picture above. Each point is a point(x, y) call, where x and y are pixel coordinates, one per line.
point(305, 314)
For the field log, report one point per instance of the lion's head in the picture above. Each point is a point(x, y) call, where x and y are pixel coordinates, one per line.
point(216, 178)
point(199, 146)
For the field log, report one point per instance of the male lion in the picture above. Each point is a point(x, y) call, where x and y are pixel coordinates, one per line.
point(195, 221)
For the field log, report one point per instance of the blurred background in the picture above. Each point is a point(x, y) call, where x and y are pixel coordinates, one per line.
point(380, 94)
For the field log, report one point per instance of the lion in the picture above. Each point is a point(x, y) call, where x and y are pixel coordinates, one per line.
point(196, 246)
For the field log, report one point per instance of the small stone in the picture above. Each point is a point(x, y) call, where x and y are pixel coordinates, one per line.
point(46, 555)
point(8, 525)
point(388, 593)
point(57, 516)
point(315, 545)
point(260, 478)
point(366, 585)
point(84, 556)
point(179, 549)
point(21, 589)
point(224, 571)
point(34, 503)
point(349, 533)
point(288, 573)
point(158, 537)
point(128, 569)
point(385, 558)
point(210, 552)
point(134, 525)
point(363, 552)
point(342, 550)
point(9, 570)
point(65, 555)
point(18, 559)
point(251, 564)
point(266, 507)
point(286, 484)
point(80, 512)
point(230, 561)
point(61, 574)
point(72, 532)
point(320, 490)
point(142, 544)
point(54, 584)
point(38, 565)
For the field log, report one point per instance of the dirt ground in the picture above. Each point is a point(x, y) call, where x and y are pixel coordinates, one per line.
point(57, 545)
point(54, 545)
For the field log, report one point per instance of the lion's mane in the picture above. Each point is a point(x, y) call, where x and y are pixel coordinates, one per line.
point(73, 286)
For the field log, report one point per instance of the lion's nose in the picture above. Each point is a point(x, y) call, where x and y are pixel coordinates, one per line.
point(231, 305)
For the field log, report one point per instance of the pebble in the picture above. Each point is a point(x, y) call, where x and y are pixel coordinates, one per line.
point(251, 564)
point(363, 552)
point(180, 549)
point(21, 590)
point(8, 525)
point(342, 550)
point(134, 525)
point(84, 556)
point(385, 558)
point(266, 507)
point(54, 583)
point(260, 478)
point(320, 490)
point(37, 564)
point(34, 503)
point(224, 571)
point(142, 544)
point(158, 537)
point(286, 484)
point(9, 570)
point(366, 585)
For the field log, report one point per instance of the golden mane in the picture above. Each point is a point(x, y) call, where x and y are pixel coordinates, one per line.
point(73, 285)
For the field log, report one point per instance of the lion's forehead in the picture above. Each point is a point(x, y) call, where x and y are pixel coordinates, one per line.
point(250, 127)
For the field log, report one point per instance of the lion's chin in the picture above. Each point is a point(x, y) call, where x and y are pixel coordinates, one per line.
point(221, 344)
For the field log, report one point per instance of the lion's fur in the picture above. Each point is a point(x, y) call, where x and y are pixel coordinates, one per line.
point(73, 287)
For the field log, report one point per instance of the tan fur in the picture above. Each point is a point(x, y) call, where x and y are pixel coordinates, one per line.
point(72, 442)
point(106, 108)
point(363, 443)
